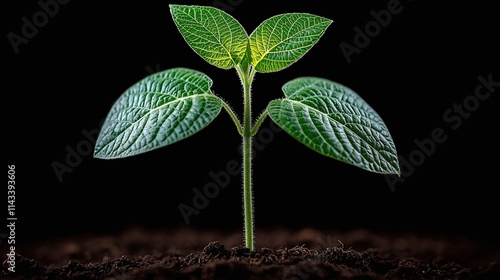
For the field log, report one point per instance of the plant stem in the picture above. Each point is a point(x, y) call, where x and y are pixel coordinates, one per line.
point(247, 157)
point(233, 117)
point(259, 121)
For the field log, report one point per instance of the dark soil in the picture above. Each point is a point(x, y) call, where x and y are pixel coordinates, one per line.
point(138, 253)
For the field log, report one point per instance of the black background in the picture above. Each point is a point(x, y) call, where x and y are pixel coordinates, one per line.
point(428, 58)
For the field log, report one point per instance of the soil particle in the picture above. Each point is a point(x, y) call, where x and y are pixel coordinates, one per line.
point(146, 256)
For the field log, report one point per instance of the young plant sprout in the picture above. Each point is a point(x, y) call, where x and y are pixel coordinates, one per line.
point(172, 105)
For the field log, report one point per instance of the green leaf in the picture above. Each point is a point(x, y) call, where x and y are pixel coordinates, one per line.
point(283, 39)
point(334, 121)
point(213, 34)
point(159, 110)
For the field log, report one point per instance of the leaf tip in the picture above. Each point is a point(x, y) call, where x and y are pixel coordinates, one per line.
point(174, 7)
point(97, 155)
point(396, 170)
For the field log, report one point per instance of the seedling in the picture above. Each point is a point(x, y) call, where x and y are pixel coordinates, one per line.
point(172, 105)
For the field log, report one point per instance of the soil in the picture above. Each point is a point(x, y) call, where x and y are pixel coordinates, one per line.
point(187, 253)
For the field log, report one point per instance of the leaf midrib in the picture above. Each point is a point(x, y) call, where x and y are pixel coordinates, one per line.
point(341, 124)
point(213, 35)
point(320, 92)
point(177, 100)
point(283, 41)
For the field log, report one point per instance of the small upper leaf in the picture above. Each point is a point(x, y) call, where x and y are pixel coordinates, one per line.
point(283, 39)
point(159, 110)
point(215, 35)
point(334, 121)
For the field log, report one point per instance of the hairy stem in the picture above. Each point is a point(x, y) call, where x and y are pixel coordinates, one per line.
point(247, 157)
point(259, 121)
point(233, 116)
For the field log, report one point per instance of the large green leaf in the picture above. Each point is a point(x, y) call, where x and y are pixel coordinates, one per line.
point(215, 35)
point(283, 39)
point(159, 110)
point(334, 121)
